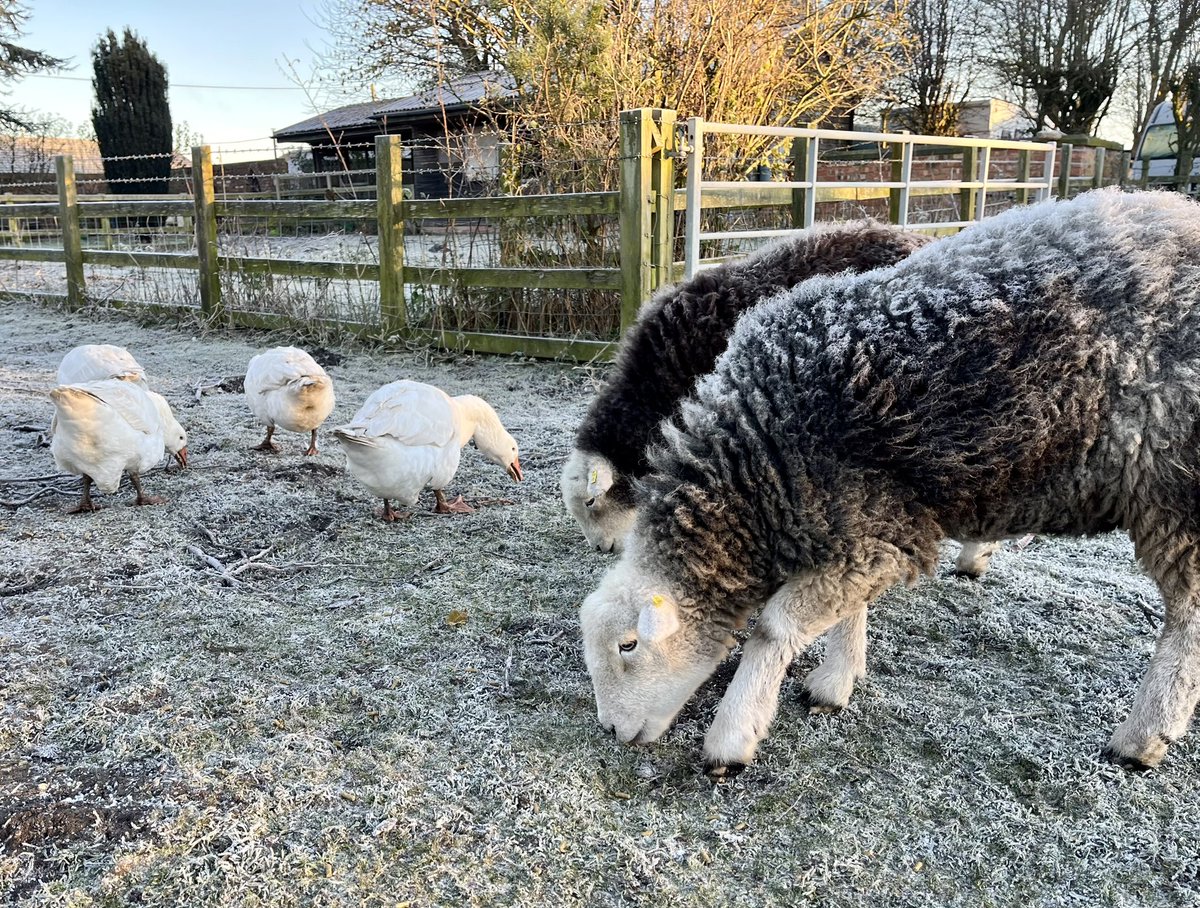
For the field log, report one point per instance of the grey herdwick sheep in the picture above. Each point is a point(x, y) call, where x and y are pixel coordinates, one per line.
point(679, 334)
point(1039, 372)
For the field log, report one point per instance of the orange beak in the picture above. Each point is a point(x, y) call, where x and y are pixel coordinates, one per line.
point(181, 457)
point(514, 470)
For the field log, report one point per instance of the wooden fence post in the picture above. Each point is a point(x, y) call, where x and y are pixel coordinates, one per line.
point(1065, 159)
point(72, 238)
point(1023, 176)
point(800, 207)
point(389, 186)
point(662, 188)
point(970, 172)
point(636, 205)
point(204, 194)
point(896, 197)
point(1098, 156)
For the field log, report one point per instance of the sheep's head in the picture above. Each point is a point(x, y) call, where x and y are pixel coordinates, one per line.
point(645, 657)
point(598, 499)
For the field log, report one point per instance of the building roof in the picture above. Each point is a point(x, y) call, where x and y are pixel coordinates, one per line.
point(461, 93)
point(453, 96)
point(19, 154)
point(340, 118)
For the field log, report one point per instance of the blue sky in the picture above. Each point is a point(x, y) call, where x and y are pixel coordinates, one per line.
point(215, 42)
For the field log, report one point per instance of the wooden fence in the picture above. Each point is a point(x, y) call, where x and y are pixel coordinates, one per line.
point(644, 208)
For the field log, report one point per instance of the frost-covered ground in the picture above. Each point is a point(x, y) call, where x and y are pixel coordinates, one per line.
point(399, 714)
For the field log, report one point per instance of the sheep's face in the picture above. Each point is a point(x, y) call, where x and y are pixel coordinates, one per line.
point(646, 660)
point(594, 496)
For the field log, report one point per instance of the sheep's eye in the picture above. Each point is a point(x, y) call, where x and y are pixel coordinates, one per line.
point(589, 502)
point(627, 647)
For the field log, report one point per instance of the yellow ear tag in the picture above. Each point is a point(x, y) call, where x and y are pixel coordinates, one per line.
point(594, 477)
point(657, 600)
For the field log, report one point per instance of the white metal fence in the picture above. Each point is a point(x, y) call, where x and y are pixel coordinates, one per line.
point(806, 155)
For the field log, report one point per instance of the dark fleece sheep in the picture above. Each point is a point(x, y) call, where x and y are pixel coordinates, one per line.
point(1040, 372)
point(679, 334)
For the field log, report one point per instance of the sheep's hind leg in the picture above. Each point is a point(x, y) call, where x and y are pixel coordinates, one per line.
point(1167, 697)
point(974, 558)
point(827, 688)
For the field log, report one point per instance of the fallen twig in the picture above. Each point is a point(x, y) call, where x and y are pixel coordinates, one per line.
point(44, 490)
point(226, 578)
point(247, 561)
point(209, 534)
point(1153, 617)
point(18, 479)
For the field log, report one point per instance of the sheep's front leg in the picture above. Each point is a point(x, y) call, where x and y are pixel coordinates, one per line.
point(1167, 696)
point(794, 617)
point(827, 687)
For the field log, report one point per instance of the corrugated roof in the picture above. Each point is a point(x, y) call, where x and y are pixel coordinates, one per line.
point(461, 92)
point(339, 118)
point(456, 94)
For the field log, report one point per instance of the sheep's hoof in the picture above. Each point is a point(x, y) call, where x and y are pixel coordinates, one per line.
point(1132, 764)
point(723, 772)
point(816, 706)
point(964, 574)
point(1136, 751)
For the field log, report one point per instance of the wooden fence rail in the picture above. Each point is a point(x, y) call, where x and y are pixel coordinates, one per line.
point(643, 209)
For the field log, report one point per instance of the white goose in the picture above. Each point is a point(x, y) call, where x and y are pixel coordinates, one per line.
point(410, 435)
point(98, 362)
point(288, 389)
point(106, 428)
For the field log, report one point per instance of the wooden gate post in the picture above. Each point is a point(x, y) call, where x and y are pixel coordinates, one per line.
point(636, 206)
point(72, 238)
point(204, 197)
point(970, 173)
point(389, 186)
point(662, 188)
point(804, 167)
point(1065, 160)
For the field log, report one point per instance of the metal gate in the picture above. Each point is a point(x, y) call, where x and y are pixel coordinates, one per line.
point(806, 185)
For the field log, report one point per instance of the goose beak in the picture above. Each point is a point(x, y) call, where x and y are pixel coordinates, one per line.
point(181, 457)
point(514, 470)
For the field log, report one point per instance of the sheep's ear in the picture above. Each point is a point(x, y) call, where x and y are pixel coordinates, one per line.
point(658, 620)
point(600, 479)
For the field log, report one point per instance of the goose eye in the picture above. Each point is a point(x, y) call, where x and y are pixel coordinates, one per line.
point(627, 647)
point(589, 502)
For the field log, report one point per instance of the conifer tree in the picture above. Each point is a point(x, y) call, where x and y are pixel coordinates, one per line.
point(130, 115)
